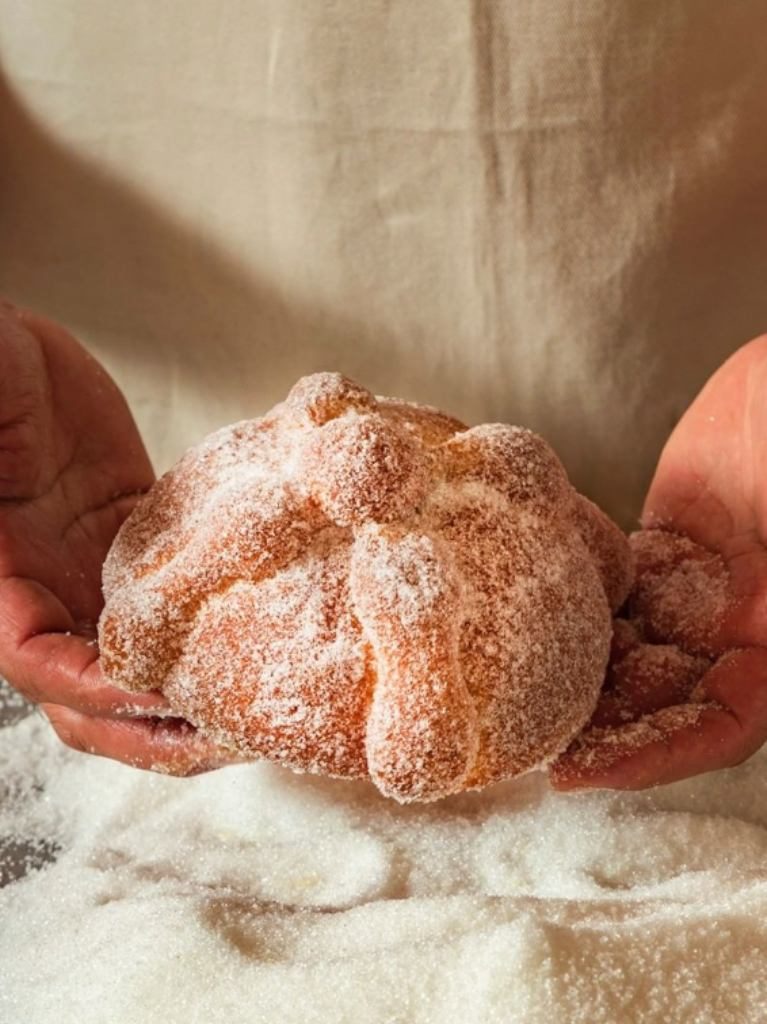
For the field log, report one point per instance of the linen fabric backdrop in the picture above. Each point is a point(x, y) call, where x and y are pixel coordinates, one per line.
point(553, 214)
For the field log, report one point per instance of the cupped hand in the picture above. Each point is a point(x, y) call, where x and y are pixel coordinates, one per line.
point(72, 465)
point(687, 686)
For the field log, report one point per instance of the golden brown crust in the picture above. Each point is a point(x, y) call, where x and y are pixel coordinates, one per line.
point(365, 587)
point(608, 547)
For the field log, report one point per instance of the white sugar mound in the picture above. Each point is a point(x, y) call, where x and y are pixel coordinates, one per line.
point(256, 895)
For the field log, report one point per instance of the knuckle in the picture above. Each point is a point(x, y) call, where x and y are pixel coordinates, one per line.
point(64, 727)
point(28, 688)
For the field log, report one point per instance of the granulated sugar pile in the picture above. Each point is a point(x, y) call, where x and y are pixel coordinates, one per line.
point(256, 895)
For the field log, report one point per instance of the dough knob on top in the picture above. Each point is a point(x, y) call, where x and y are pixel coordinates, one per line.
point(322, 397)
point(356, 463)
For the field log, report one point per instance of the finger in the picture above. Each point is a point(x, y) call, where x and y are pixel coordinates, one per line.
point(701, 484)
point(738, 682)
point(727, 725)
point(22, 397)
point(73, 370)
point(663, 747)
point(42, 658)
point(170, 746)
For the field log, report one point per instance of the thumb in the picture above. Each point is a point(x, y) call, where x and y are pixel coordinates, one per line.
point(24, 407)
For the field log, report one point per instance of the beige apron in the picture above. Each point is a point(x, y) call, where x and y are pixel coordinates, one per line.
point(554, 214)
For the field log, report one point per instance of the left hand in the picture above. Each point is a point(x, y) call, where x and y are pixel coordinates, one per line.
point(688, 693)
point(72, 466)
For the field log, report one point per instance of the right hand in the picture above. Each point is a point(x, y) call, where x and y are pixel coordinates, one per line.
point(72, 466)
point(689, 693)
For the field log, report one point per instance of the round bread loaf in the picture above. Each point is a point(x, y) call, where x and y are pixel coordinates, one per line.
point(364, 587)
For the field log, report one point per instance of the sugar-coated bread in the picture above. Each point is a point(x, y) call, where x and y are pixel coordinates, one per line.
point(364, 587)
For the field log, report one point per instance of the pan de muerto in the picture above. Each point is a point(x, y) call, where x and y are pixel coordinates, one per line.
point(365, 587)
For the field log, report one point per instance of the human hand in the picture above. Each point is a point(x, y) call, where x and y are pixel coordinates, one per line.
point(687, 686)
point(72, 466)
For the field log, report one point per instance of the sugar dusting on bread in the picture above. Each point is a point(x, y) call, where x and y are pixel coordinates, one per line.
point(360, 586)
